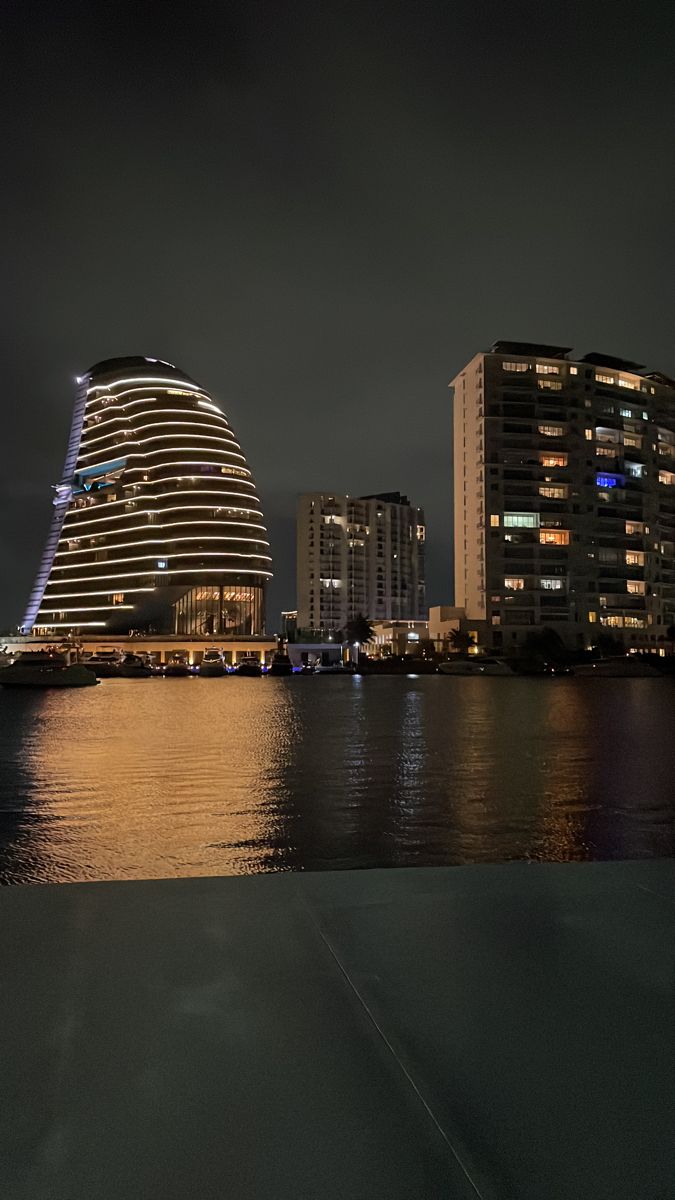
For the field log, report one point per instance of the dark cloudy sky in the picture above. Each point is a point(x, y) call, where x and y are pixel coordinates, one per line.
point(320, 211)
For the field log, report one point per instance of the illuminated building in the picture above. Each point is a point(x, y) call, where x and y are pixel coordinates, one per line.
point(564, 481)
point(156, 524)
point(359, 554)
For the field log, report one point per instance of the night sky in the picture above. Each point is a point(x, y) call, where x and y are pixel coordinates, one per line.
point(320, 212)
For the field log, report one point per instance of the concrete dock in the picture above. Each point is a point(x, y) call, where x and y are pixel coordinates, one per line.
point(498, 1032)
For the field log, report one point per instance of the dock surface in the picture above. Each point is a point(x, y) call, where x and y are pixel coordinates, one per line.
point(490, 1031)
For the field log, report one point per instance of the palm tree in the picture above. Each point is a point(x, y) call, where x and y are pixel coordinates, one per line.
point(359, 630)
point(460, 641)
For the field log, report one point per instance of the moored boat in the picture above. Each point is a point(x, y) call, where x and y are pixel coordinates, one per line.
point(250, 664)
point(44, 669)
point(475, 664)
point(280, 664)
point(176, 667)
point(105, 664)
point(617, 668)
point(134, 666)
point(212, 664)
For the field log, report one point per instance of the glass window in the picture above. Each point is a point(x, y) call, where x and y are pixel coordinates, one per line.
point(667, 477)
point(552, 385)
point(574, 371)
point(547, 369)
point(554, 537)
point(635, 558)
point(635, 470)
point(633, 527)
point(521, 520)
point(551, 492)
point(630, 439)
point(514, 584)
point(551, 585)
point(515, 366)
point(494, 520)
point(552, 430)
point(629, 383)
point(604, 378)
point(589, 435)
point(553, 460)
point(636, 587)
point(592, 616)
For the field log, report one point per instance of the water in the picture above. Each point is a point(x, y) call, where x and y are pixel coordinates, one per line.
point(170, 777)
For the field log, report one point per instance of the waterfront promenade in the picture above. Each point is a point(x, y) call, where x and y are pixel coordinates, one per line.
point(484, 1031)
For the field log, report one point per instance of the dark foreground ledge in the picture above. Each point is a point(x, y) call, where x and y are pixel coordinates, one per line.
point(458, 1032)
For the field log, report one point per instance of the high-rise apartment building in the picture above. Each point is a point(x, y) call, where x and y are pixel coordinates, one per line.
point(156, 524)
point(564, 481)
point(359, 554)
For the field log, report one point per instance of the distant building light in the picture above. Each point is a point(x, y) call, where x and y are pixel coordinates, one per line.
point(162, 563)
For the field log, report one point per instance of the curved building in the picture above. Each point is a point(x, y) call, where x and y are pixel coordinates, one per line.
point(157, 526)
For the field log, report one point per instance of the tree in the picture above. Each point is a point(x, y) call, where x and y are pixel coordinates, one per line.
point(359, 629)
point(460, 641)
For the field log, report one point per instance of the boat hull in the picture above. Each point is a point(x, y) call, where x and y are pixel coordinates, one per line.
point(46, 677)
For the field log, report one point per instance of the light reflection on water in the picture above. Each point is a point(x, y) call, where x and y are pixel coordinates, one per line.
point(148, 778)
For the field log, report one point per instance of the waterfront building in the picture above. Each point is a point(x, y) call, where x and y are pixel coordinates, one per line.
point(157, 526)
point(564, 489)
point(359, 554)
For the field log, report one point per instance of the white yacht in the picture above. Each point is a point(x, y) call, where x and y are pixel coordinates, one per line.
point(45, 669)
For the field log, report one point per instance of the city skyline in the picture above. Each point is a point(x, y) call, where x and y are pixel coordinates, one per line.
point(325, 223)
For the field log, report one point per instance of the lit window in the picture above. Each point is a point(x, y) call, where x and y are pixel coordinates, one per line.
point(667, 477)
point(625, 412)
point(630, 439)
point(634, 622)
point(494, 520)
point(629, 383)
point(633, 527)
point(551, 585)
point(604, 378)
point(552, 430)
point(496, 619)
point(613, 622)
point(636, 587)
point(515, 366)
point(514, 584)
point(635, 470)
point(609, 481)
point(553, 460)
point(547, 369)
point(552, 385)
point(521, 520)
point(553, 493)
point(605, 451)
point(162, 564)
point(592, 616)
point(589, 435)
point(118, 598)
point(554, 537)
point(635, 558)
point(574, 371)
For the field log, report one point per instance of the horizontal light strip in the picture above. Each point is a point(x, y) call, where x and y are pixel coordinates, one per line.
point(158, 570)
point(83, 595)
point(92, 421)
point(91, 608)
point(169, 525)
point(112, 562)
point(67, 624)
point(170, 495)
point(132, 429)
point(175, 383)
point(147, 400)
point(207, 537)
point(163, 437)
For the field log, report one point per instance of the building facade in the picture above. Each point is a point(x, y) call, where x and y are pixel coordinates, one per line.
point(359, 554)
point(156, 526)
point(564, 490)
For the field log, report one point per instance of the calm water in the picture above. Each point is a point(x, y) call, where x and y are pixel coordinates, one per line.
point(147, 778)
